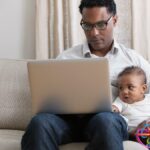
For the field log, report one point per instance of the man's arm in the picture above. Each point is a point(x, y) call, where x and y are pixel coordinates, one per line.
point(144, 64)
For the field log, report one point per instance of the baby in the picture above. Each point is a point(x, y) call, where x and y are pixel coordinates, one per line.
point(132, 102)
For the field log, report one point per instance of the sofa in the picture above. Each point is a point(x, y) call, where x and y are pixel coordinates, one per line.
point(15, 107)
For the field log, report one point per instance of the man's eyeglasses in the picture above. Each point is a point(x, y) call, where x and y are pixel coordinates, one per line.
point(101, 25)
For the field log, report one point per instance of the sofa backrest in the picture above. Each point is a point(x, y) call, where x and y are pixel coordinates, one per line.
point(15, 97)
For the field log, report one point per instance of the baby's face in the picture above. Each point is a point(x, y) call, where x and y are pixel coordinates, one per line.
point(131, 88)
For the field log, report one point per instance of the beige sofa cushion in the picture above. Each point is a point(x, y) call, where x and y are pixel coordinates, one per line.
point(128, 145)
point(15, 99)
point(11, 139)
point(15, 107)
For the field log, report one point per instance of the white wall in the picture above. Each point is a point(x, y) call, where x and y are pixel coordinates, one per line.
point(17, 29)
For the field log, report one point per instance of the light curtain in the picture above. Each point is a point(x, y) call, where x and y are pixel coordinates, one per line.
point(141, 27)
point(57, 27)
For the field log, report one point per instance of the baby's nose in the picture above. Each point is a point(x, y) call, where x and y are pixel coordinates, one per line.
point(125, 91)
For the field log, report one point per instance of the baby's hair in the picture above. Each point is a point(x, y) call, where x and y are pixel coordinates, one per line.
point(134, 70)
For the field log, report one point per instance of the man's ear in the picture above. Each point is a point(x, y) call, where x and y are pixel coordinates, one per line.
point(144, 88)
point(115, 19)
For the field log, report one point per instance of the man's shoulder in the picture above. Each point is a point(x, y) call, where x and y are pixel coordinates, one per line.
point(125, 49)
point(73, 52)
point(129, 52)
point(147, 97)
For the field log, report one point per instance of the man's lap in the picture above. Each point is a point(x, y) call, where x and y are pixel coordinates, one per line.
point(80, 127)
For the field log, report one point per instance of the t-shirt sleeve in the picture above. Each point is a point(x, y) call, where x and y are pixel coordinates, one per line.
point(119, 104)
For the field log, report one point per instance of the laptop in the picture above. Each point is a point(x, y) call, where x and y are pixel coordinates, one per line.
point(72, 86)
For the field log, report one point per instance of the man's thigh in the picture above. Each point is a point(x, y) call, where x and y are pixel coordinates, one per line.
point(105, 121)
point(54, 125)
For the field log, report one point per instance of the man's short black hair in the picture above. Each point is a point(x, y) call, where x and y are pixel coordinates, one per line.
point(109, 4)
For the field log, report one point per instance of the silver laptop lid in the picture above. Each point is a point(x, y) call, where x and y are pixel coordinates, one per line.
point(76, 86)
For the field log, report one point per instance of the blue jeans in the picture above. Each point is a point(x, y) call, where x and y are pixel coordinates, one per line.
point(103, 131)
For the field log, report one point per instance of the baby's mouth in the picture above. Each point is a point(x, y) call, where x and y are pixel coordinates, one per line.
point(126, 98)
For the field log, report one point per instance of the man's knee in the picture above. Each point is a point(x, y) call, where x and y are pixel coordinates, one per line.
point(105, 119)
point(42, 120)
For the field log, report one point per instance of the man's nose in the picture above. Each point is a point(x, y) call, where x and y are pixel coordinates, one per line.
point(94, 31)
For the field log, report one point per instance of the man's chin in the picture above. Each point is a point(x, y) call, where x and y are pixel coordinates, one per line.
point(97, 47)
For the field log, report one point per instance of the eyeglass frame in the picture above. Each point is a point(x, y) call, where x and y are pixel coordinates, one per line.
point(95, 24)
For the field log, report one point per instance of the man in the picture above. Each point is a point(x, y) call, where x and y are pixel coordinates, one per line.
point(105, 130)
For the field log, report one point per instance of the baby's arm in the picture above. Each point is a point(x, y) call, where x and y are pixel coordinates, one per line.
point(148, 121)
point(117, 105)
point(139, 126)
point(115, 109)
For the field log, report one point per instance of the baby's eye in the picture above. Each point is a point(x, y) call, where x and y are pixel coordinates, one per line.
point(120, 88)
point(131, 87)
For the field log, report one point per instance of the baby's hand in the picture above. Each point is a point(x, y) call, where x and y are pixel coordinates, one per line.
point(148, 121)
point(139, 126)
point(115, 109)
